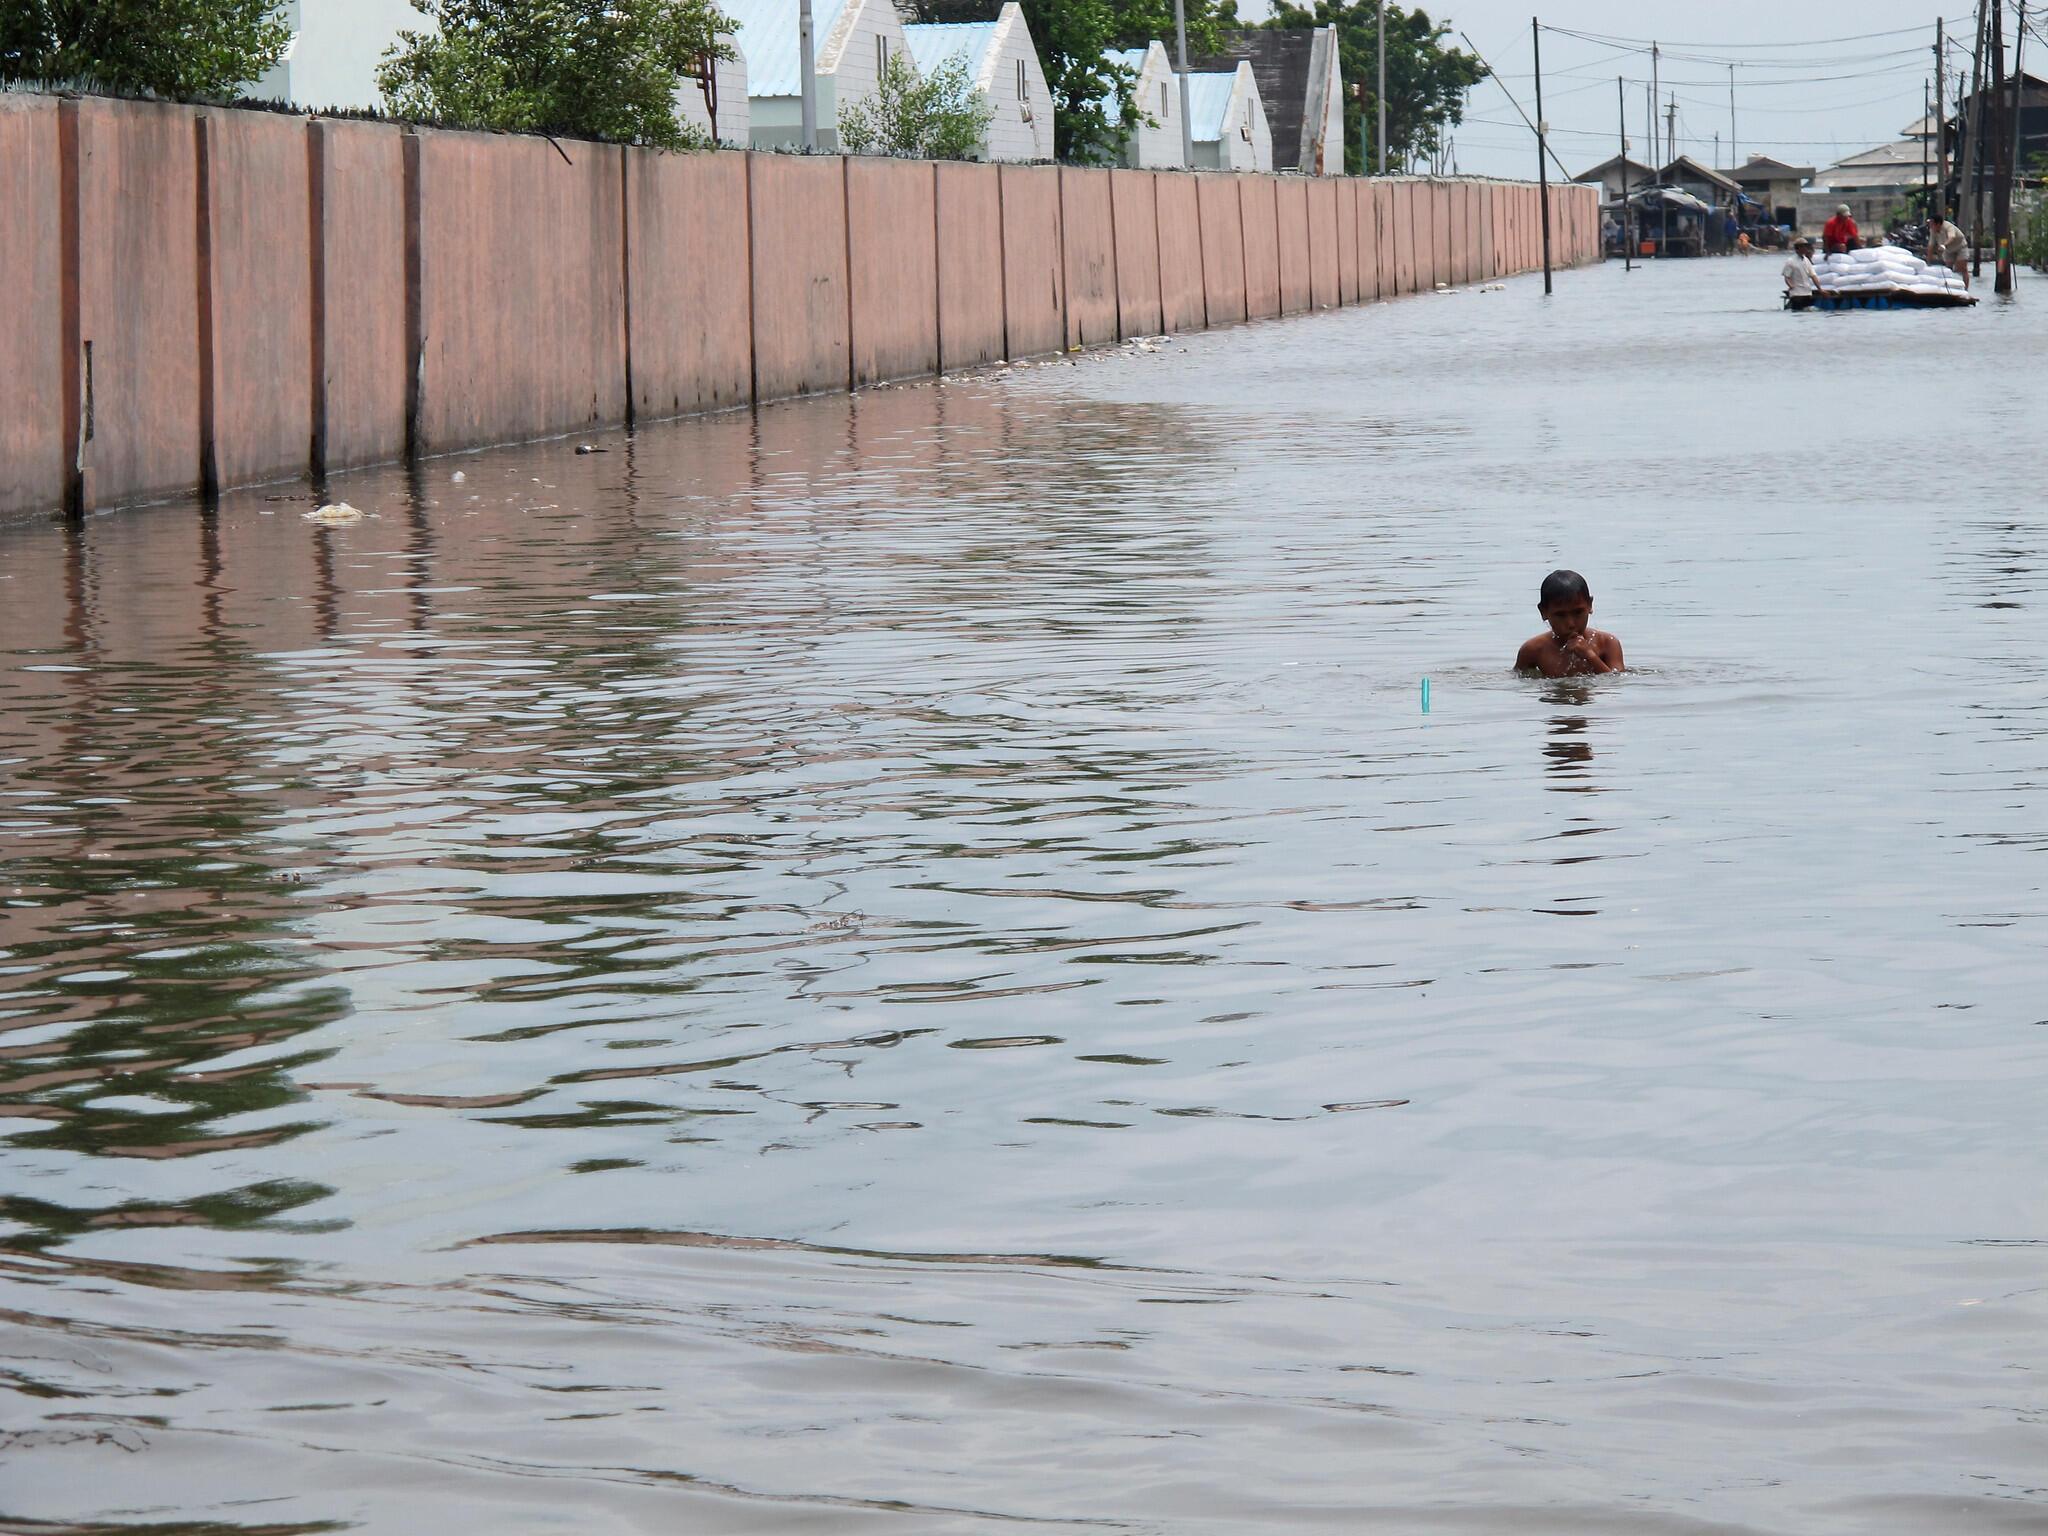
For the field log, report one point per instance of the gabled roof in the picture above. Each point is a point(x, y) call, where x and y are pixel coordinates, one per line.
point(1762, 168)
point(932, 43)
point(1282, 60)
point(767, 34)
point(1688, 169)
point(1630, 168)
point(1209, 104)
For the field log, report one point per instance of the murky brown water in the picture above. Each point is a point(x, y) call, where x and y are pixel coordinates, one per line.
point(914, 965)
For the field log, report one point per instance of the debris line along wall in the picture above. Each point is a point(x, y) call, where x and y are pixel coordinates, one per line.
point(201, 298)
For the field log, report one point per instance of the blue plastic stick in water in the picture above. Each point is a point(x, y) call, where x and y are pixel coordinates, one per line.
point(1425, 695)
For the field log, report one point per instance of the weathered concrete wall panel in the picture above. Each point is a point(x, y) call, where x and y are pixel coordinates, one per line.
point(521, 289)
point(1440, 233)
point(1325, 259)
point(801, 345)
point(32, 393)
point(359, 318)
point(1260, 199)
point(1290, 207)
point(138, 299)
point(1089, 253)
point(1180, 254)
point(1461, 248)
point(1034, 273)
point(970, 233)
point(1134, 208)
point(1401, 211)
point(892, 249)
point(1386, 282)
point(1222, 215)
point(1350, 271)
point(259, 233)
point(689, 279)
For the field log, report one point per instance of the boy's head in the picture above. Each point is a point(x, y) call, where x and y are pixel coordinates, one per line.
point(1566, 603)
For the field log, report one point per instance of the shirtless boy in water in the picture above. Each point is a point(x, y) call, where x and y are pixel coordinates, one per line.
point(1568, 648)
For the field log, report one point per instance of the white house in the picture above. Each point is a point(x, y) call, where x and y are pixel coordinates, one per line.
point(1155, 143)
point(336, 46)
point(728, 93)
point(851, 40)
point(1003, 63)
point(1229, 122)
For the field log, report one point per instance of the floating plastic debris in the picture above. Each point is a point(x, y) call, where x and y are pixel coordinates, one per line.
point(335, 512)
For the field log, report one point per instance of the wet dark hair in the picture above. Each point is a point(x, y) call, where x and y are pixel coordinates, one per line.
point(1563, 587)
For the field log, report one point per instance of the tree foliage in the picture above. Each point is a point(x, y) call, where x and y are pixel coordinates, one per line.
point(605, 69)
point(939, 116)
point(1426, 78)
point(174, 48)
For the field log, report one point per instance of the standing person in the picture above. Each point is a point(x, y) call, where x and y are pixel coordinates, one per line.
point(1948, 247)
point(1802, 283)
point(1840, 232)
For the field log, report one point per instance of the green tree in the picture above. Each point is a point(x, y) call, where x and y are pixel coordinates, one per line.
point(175, 48)
point(940, 116)
point(1426, 78)
point(1140, 21)
point(606, 69)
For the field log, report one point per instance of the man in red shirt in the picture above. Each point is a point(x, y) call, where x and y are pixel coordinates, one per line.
point(1840, 233)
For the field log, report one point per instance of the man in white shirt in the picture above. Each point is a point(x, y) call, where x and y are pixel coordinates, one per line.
point(1802, 283)
point(1948, 247)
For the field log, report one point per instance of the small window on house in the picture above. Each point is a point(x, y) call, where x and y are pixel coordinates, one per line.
point(1162, 101)
point(881, 54)
point(1023, 85)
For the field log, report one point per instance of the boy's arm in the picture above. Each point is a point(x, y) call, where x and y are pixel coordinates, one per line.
point(1610, 646)
point(1527, 658)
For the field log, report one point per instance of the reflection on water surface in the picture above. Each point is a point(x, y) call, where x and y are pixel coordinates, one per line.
point(912, 963)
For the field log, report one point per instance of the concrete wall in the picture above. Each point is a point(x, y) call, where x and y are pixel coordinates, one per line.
point(1290, 218)
point(1034, 271)
point(500, 215)
point(32, 306)
point(202, 298)
point(798, 232)
point(1134, 211)
point(689, 282)
point(892, 259)
point(970, 240)
point(1181, 288)
point(260, 304)
point(360, 304)
point(1088, 250)
point(1261, 233)
point(1325, 257)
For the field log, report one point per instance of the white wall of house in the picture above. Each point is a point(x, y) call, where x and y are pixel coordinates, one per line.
point(335, 49)
point(730, 78)
point(1156, 142)
point(849, 63)
point(1246, 142)
point(1326, 100)
point(1014, 82)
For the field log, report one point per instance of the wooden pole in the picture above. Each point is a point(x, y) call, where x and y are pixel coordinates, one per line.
point(2006, 280)
point(1621, 116)
point(2001, 173)
point(1542, 162)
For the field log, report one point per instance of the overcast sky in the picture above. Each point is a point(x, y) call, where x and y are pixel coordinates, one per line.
point(1784, 103)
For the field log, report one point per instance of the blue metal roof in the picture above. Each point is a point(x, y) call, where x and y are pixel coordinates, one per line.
point(932, 43)
point(767, 35)
point(1209, 105)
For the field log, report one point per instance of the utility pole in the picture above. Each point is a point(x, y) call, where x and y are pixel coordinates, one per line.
point(1940, 115)
point(1380, 93)
point(1650, 128)
point(807, 75)
point(1926, 116)
point(1621, 117)
point(1671, 152)
point(2001, 178)
point(1970, 183)
point(1734, 155)
point(1187, 129)
point(1542, 148)
point(2004, 282)
point(1656, 89)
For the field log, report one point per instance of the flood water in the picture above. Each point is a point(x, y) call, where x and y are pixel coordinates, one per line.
point(914, 963)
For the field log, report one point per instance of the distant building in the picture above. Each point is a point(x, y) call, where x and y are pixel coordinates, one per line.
point(1618, 175)
point(1715, 188)
point(1876, 183)
point(1229, 121)
point(728, 94)
point(335, 48)
point(1155, 144)
point(1997, 129)
point(1003, 64)
point(1300, 89)
point(851, 41)
point(1774, 184)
